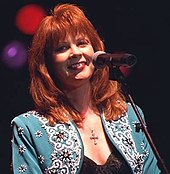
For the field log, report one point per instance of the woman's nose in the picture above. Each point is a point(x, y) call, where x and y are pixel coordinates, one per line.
point(75, 50)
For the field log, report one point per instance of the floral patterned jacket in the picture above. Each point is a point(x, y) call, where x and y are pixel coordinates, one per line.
point(40, 148)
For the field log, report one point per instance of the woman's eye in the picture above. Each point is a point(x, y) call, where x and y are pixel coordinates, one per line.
point(61, 48)
point(82, 42)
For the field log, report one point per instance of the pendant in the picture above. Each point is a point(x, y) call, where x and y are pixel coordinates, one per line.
point(94, 137)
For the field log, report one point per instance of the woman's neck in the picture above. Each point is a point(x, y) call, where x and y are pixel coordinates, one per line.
point(80, 98)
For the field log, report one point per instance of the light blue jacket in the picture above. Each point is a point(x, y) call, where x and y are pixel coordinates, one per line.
point(40, 148)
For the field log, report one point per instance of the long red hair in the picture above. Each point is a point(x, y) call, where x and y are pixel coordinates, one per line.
point(49, 99)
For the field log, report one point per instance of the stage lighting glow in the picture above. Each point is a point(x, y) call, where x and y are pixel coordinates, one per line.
point(29, 17)
point(126, 71)
point(14, 55)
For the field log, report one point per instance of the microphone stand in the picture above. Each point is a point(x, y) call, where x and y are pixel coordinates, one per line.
point(116, 74)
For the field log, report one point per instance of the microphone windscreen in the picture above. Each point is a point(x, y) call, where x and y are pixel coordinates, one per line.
point(96, 54)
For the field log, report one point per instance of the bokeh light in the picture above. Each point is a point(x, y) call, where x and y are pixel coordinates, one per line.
point(126, 70)
point(14, 55)
point(29, 17)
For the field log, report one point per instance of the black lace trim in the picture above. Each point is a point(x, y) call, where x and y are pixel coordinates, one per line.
point(115, 164)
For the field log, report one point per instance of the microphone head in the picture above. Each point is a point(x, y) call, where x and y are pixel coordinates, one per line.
point(96, 62)
point(102, 59)
point(96, 54)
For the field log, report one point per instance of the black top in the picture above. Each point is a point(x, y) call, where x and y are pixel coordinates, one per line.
point(115, 164)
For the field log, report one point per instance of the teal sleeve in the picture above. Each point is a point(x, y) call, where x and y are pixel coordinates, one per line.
point(150, 163)
point(24, 157)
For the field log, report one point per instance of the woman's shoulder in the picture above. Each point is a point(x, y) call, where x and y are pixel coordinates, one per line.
point(28, 118)
point(132, 113)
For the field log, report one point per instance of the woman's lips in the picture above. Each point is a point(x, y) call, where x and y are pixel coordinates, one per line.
point(77, 66)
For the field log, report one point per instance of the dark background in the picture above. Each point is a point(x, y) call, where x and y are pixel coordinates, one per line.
point(138, 27)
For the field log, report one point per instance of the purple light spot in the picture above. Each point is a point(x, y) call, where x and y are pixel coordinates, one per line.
point(14, 55)
point(12, 52)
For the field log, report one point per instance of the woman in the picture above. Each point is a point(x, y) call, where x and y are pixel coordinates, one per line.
point(82, 122)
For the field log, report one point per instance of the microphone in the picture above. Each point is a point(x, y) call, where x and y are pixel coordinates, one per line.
point(101, 59)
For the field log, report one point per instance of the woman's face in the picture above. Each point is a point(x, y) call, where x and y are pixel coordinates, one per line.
point(72, 61)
